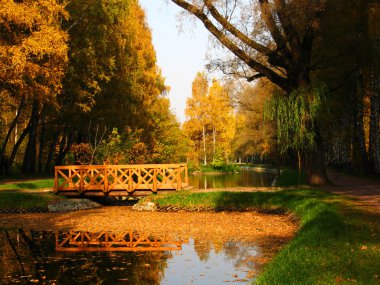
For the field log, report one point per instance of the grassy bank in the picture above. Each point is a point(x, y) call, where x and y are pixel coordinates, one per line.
point(12, 194)
point(16, 199)
point(225, 168)
point(336, 242)
point(33, 184)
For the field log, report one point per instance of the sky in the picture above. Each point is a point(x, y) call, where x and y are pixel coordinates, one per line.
point(180, 54)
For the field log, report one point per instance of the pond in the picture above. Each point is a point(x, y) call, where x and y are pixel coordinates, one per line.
point(75, 257)
point(247, 177)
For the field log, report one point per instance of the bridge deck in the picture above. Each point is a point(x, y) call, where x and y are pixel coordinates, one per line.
point(119, 180)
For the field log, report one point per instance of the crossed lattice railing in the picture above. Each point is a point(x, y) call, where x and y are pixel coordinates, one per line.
point(111, 179)
point(106, 241)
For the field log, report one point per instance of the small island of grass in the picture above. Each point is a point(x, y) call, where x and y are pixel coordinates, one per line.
point(215, 169)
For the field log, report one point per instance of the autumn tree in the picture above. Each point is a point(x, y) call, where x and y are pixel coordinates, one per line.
point(112, 80)
point(255, 137)
point(33, 57)
point(169, 143)
point(70, 71)
point(210, 123)
point(272, 39)
point(198, 113)
point(222, 121)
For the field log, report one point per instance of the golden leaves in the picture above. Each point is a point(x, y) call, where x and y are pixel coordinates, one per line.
point(33, 52)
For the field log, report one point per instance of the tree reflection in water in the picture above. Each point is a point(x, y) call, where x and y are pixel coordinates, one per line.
point(85, 258)
point(30, 256)
point(246, 178)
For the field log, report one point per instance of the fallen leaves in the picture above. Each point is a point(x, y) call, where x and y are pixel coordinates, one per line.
point(268, 232)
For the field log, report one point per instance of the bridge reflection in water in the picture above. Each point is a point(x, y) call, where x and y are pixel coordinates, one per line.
point(75, 241)
point(132, 257)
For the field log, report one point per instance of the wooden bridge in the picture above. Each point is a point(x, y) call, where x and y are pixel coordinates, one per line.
point(119, 180)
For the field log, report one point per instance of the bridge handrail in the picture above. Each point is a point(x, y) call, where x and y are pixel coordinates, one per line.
point(151, 177)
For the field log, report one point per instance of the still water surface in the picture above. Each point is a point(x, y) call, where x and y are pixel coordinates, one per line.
point(245, 178)
point(75, 257)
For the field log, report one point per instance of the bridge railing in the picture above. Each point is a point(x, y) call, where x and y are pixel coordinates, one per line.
point(95, 180)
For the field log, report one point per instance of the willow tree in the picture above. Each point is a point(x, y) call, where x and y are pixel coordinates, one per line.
point(294, 118)
point(272, 39)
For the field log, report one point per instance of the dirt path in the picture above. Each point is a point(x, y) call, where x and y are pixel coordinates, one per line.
point(366, 191)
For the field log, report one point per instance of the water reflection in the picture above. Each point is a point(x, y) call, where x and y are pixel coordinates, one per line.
point(245, 178)
point(75, 257)
point(75, 241)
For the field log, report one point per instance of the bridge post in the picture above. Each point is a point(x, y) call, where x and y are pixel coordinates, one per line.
point(81, 181)
point(179, 181)
point(155, 180)
point(105, 187)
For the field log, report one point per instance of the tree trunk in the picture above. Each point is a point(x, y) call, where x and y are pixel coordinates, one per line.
point(50, 155)
point(315, 162)
point(359, 152)
point(11, 128)
point(374, 132)
point(213, 142)
point(41, 142)
point(9, 162)
point(204, 145)
point(67, 140)
point(29, 164)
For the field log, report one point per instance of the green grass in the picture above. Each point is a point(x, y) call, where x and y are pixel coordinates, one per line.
point(15, 199)
point(222, 168)
point(21, 176)
point(289, 177)
point(34, 184)
point(328, 246)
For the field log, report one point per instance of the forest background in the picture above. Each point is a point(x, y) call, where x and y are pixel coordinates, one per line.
point(79, 84)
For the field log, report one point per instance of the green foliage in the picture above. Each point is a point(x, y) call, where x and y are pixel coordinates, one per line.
point(168, 142)
point(294, 117)
point(122, 149)
point(218, 159)
point(328, 245)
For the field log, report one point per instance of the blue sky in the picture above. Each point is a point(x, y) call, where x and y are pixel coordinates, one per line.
point(179, 54)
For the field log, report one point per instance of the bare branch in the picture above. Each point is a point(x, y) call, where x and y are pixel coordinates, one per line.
point(229, 27)
point(224, 40)
point(267, 17)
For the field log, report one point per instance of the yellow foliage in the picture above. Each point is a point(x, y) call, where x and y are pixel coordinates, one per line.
point(33, 50)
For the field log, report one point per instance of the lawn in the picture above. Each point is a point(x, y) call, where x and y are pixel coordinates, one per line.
point(32, 184)
point(11, 199)
point(13, 196)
